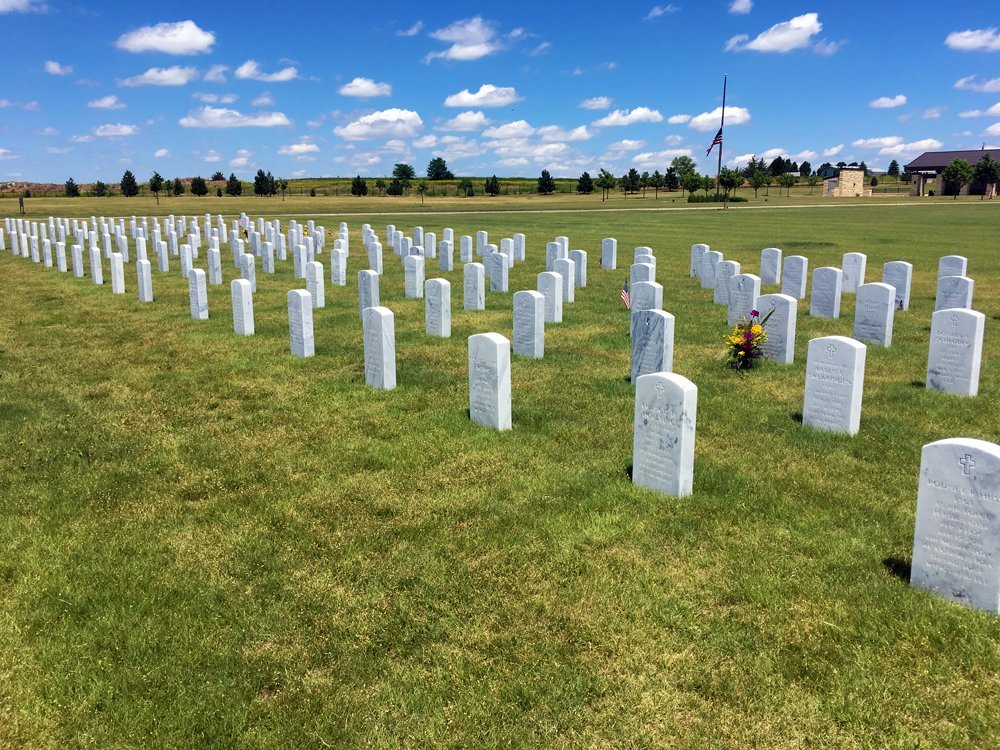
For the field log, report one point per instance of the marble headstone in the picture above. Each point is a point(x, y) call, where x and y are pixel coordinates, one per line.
point(380, 347)
point(315, 283)
point(609, 253)
point(489, 380)
point(198, 294)
point(952, 292)
point(144, 280)
point(795, 272)
point(956, 351)
point(437, 307)
point(300, 323)
point(664, 432)
point(117, 274)
point(579, 258)
point(826, 288)
point(652, 343)
point(899, 275)
point(550, 284)
point(446, 261)
point(367, 289)
point(953, 265)
point(744, 289)
point(853, 266)
point(724, 271)
point(413, 274)
point(770, 265)
point(874, 312)
point(835, 374)
point(529, 324)
point(474, 287)
point(242, 296)
point(780, 327)
point(566, 269)
point(646, 295)
point(697, 253)
point(709, 260)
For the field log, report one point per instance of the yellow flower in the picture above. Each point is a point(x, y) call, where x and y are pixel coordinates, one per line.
point(756, 329)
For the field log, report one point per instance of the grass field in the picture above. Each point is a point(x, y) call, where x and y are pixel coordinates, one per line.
point(209, 543)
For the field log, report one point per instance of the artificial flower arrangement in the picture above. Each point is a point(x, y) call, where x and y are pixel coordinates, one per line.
point(746, 340)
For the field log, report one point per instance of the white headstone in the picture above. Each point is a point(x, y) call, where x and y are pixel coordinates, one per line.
point(666, 407)
point(429, 245)
point(519, 246)
point(499, 274)
point(744, 289)
point(953, 265)
point(770, 265)
point(267, 257)
point(117, 274)
point(185, 260)
point(640, 272)
point(780, 327)
point(242, 296)
point(874, 312)
point(826, 289)
point(214, 266)
point(709, 260)
point(482, 240)
point(899, 274)
point(413, 274)
point(489, 380)
point(144, 280)
point(198, 294)
point(609, 253)
point(248, 269)
point(300, 323)
point(465, 249)
point(77, 252)
point(315, 284)
point(367, 290)
point(956, 538)
point(529, 324)
point(724, 271)
point(652, 343)
point(853, 266)
point(447, 259)
point(697, 253)
point(795, 272)
point(956, 351)
point(61, 256)
point(566, 269)
point(579, 258)
point(338, 267)
point(437, 307)
point(835, 374)
point(952, 292)
point(162, 260)
point(646, 295)
point(550, 284)
point(474, 288)
point(374, 250)
point(553, 252)
point(380, 347)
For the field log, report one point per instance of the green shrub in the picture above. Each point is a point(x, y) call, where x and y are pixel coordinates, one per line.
point(693, 198)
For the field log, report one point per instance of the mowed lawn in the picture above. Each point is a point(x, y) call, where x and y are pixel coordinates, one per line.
point(209, 543)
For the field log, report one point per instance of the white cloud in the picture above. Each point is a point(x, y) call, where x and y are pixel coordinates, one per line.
point(250, 71)
point(678, 119)
point(49, 130)
point(412, 31)
point(22, 6)
point(742, 160)
point(6, 153)
point(934, 113)
point(707, 121)
point(301, 172)
point(215, 98)
point(471, 39)
point(58, 149)
point(991, 112)
point(161, 153)
point(880, 142)
point(554, 133)
point(395, 123)
point(55, 69)
point(220, 117)
point(827, 48)
point(264, 100)
point(833, 150)
point(597, 102)
point(804, 155)
point(212, 157)
point(969, 83)
point(659, 158)
point(974, 40)
point(888, 102)
point(174, 76)
point(427, 141)
point(466, 122)
point(182, 38)
point(660, 10)
point(916, 147)
point(514, 161)
point(241, 159)
point(782, 37)
point(298, 149)
point(82, 138)
point(628, 117)
point(106, 102)
point(516, 129)
point(115, 131)
point(487, 96)
point(578, 71)
point(216, 74)
point(626, 145)
point(741, 7)
point(365, 88)
point(993, 129)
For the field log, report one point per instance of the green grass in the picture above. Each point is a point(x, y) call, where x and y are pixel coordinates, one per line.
point(210, 543)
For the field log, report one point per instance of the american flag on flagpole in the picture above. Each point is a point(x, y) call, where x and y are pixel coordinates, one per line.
point(626, 297)
point(717, 141)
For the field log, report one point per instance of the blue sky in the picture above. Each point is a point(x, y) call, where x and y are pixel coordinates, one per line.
point(321, 89)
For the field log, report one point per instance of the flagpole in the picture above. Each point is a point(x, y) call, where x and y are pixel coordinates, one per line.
point(721, 126)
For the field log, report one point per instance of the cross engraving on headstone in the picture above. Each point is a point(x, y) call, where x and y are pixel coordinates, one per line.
point(831, 350)
point(968, 463)
point(659, 390)
point(954, 320)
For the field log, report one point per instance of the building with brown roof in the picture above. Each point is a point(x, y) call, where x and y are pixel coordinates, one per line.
point(926, 170)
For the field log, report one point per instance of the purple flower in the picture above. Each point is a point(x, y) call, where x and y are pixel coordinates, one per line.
point(754, 313)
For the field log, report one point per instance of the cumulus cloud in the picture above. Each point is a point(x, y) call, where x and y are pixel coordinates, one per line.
point(49, 130)
point(626, 145)
point(427, 141)
point(22, 6)
point(707, 121)
point(250, 71)
point(412, 31)
point(991, 112)
point(906, 149)
point(487, 96)
point(216, 74)
point(974, 40)
point(678, 119)
point(597, 102)
point(215, 98)
point(173, 76)
point(455, 147)
point(220, 117)
point(82, 138)
point(934, 113)
point(888, 102)
point(516, 129)
point(993, 129)
point(554, 133)
point(781, 38)
point(241, 159)
point(471, 39)
point(6, 153)
point(182, 38)
point(970, 83)
point(58, 149)
point(741, 7)
point(660, 10)
point(388, 123)
point(212, 157)
point(466, 122)
point(115, 131)
point(263, 100)
point(833, 150)
point(298, 149)
point(55, 69)
point(880, 142)
point(365, 88)
point(106, 102)
point(658, 158)
point(161, 153)
point(622, 117)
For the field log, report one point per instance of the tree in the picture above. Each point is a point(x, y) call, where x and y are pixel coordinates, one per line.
point(492, 186)
point(777, 166)
point(585, 185)
point(155, 186)
point(691, 182)
point(359, 187)
point(261, 183)
point(72, 189)
point(422, 190)
point(656, 181)
point(805, 169)
point(874, 182)
point(893, 170)
point(100, 189)
point(546, 185)
point(757, 179)
point(630, 182)
point(683, 166)
point(395, 187)
point(404, 173)
point(130, 188)
point(813, 181)
point(864, 168)
point(606, 182)
point(218, 176)
point(987, 173)
point(437, 169)
point(312, 192)
point(234, 187)
point(707, 183)
point(218, 192)
point(177, 188)
point(787, 181)
point(283, 184)
point(466, 188)
point(644, 183)
point(841, 164)
point(729, 179)
point(380, 186)
point(199, 187)
point(671, 180)
point(957, 175)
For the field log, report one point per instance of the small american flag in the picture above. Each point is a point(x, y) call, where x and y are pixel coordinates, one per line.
point(717, 141)
point(626, 298)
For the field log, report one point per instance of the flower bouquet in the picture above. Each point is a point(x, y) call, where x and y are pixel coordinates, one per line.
point(746, 340)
